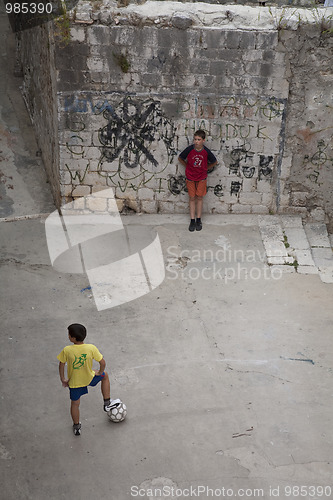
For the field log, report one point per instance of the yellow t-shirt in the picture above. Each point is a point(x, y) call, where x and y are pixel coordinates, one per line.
point(79, 359)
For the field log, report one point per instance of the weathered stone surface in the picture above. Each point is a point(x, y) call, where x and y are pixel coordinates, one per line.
point(134, 83)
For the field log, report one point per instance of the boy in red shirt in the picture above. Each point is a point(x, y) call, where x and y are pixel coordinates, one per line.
point(196, 160)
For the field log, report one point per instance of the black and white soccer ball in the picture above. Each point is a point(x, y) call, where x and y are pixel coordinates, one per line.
point(118, 413)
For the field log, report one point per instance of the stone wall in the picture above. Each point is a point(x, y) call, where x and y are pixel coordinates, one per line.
point(36, 53)
point(134, 83)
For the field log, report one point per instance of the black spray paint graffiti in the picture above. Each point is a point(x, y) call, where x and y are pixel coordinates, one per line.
point(177, 184)
point(237, 155)
point(265, 171)
point(218, 190)
point(235, 187)
point(132, 128)
point(320, 159)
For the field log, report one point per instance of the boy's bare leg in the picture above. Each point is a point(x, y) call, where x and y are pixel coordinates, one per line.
point(199, 200)
point(105, 386)
point(75, 411)
point(192, 208)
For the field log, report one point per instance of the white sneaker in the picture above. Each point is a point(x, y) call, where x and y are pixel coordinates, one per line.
point(113, 403)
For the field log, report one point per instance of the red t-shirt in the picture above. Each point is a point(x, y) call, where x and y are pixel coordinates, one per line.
point(197, 162)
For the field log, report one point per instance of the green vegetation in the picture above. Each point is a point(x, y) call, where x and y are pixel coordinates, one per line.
point(122, 62)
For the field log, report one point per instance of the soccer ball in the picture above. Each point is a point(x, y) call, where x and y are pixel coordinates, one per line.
point(118, 413)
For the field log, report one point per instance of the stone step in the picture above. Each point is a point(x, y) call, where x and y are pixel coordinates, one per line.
point(321, 249)
point(297, 247)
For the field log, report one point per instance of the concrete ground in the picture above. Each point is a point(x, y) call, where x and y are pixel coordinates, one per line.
point(225, 368)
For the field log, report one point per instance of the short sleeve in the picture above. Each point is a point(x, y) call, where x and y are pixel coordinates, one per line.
point(97, 355)
point(184, 154)
point(210, 157)
point(62, 356)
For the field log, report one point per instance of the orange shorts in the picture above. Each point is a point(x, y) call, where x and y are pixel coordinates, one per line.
point(196, 188)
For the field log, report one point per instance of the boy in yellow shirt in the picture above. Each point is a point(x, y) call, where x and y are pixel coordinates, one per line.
point(79, 358)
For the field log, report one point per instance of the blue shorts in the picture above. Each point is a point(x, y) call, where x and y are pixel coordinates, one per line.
point(76, 392)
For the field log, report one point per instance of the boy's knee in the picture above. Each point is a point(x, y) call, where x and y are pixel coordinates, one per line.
point(192, 198)
point(75, 403)
point(199, 198)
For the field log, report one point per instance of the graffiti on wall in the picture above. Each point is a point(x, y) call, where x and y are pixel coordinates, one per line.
point(133, 128)
point(321, 159)
point(131, 141)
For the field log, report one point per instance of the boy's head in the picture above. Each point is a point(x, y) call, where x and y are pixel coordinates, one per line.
point(199, 139)
point(77, 331)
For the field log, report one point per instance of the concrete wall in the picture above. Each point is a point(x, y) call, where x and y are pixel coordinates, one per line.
point(134, 84)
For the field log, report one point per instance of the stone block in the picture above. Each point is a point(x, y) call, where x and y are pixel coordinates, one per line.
point(286, 167)
point(65, 177)
point(81, 190)
point(214, 39)
point(284, 200)
point(240, 209)
point(149, 207)
point(145, 194)
point(304, 257)
point(127, 194)
point(317, 215)
point(253, 198)
point(95, 64)
point(317, 235)
point(199, 66)
point(181, 208)
point(260, 209)
point(96, 204)
point(280, 86)
point(247, 40)
point(66, 190)
point(326, 275)
point(78, 33)
point(307, 269)
point(181, 21)
point(150, 80)
point(120, 205)
point(267, 199)
point(295, 211)
point(283, 269)
point(166, 207)
point(79, 203)
point(219, 67)
point(232, 39)
point(264, 186)
point(220, 207)
point(252, 68)
point(249, 185)
point(266, 40)
point(297, 238)
point(253, 55)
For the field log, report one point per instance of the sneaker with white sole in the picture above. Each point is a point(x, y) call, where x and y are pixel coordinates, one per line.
point(113, 403)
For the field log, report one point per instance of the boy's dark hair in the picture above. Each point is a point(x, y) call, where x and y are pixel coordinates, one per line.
point(77, 331)
point(200, 133)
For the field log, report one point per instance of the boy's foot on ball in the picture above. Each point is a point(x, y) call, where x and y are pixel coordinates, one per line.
point(192, 225)
point(77, 429)
point(198, 225)
point(112, 404)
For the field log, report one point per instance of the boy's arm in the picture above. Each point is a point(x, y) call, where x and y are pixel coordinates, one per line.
point(102, 365)
point(183, 162)
point(62, 374)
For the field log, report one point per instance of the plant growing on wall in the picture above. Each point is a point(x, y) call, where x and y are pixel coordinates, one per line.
point(63, 27)
point(122, 61)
